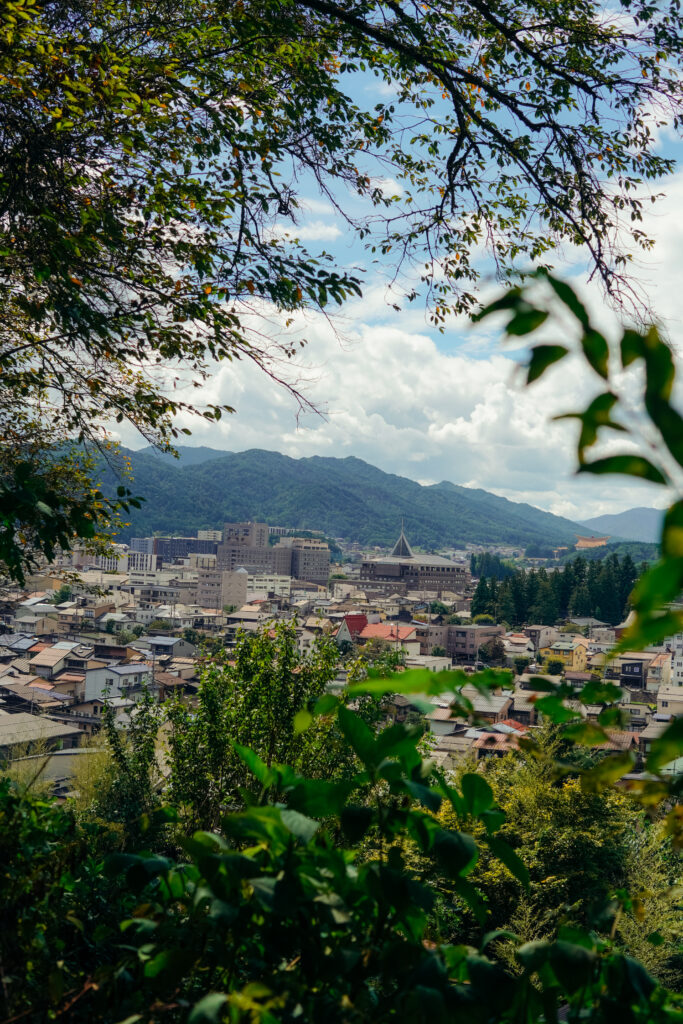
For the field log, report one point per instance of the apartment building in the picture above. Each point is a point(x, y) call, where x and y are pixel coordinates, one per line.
point(464, 642)
point(310, 558)
point(217, 588)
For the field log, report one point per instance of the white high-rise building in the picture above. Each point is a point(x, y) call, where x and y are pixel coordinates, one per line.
point(676, 644)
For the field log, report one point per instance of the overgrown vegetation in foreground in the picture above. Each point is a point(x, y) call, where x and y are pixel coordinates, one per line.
point(198, 878)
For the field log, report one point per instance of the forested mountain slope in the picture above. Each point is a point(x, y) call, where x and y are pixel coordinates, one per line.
point(343, 497)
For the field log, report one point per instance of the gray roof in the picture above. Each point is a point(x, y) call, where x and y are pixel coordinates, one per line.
point(168, 641)
point(24, 643)
point(402, 548)
point(24, 728)
point(126, 670)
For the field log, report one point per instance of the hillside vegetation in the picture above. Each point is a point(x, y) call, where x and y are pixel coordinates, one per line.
point(342, 497)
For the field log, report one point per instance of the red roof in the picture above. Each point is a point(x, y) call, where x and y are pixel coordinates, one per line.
point(356, 623)
point(514, 724)
point(387, 631)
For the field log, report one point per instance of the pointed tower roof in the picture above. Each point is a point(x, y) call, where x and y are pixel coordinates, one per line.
point(402, 548)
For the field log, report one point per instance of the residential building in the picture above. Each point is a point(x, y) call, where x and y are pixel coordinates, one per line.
point(20, 729)
point(217, 588)
point(571, 652)
point(670, 700)
point(463, 643)
point(310, 558)
point(542, 636)
point(675, 644)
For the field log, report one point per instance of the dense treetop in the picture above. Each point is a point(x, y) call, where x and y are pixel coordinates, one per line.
point(154, 158)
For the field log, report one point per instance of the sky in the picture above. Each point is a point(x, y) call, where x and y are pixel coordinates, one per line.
point(391, 390)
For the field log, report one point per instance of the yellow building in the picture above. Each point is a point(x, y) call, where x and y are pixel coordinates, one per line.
point(572, 654)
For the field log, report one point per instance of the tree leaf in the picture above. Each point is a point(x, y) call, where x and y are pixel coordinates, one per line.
point(607, 772)
point(504, 852)
point(629, 465)
point(543, 356)
point(208, 1010)
point(477, 794)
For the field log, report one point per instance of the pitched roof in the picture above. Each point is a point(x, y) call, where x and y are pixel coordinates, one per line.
point(402, 548)
point(21, 727)
point(387, 631)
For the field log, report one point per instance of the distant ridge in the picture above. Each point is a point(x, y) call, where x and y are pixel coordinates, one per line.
point(345, 498)
point(641, 524)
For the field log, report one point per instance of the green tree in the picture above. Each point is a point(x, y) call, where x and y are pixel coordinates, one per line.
point(148, 191)
point(492, 652)
point(545, 609)
point(251, 700)
point(61, 595)
point(521, 664)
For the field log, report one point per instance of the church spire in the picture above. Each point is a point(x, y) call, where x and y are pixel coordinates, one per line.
point(402, 548)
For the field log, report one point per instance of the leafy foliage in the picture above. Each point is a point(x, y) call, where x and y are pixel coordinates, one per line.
point(151, 194)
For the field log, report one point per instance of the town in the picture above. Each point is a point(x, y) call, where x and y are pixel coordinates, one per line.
point(95, 631)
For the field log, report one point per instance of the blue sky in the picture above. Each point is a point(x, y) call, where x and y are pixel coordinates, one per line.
point(429, 406)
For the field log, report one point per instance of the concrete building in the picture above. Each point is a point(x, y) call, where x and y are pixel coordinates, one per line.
point(676, 670)
point(310, 558)
point(402, 571)
point(213, 535)
point(217, 588)
point(251, 535)
point(463, 643)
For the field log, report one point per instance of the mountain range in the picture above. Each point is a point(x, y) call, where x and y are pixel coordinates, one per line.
point(345, 498)
point(642, 524)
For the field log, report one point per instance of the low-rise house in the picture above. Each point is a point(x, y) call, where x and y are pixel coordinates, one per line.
point(670, 700)
point(658, 672)
point(499, 740)
point(542, 636)
point(571, 652)
point(518, 645)
point(29, 731)
point(402, 638)
point(432, 662)
point(350, 628)
point(654, 729)
point(174, 646)
point(464, 643)
point(523, 707)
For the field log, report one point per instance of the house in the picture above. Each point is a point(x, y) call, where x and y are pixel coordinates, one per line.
point(492, 707)
point(572, 653)
point(170, 645)
point(658, 672)
point(518, 645)
point(115, 680)
point(499, 741)
point(402, 638)
point(541, 636)
point(350, 628)
point(28, 731)
point(50, 661)
point(670, 700)
point(523, 707)
point(463, 643)
point(656, 726)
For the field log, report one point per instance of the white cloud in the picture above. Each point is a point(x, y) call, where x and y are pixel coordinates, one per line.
point(445, 408)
